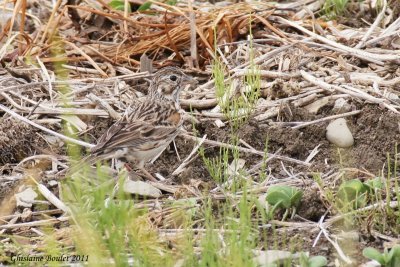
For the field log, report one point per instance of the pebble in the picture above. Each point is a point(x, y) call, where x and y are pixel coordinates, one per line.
point(339, 134)
point(341, 105)
point(141, 188)
point(26, 198)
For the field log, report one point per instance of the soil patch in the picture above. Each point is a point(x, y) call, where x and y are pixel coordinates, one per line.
point(375, 131)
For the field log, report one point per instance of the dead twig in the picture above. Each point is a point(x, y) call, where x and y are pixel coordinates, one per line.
point(61, 136)
point(371, 57)
point(34, 223)
point(371, 29)
point(113, 114)
point(245, 150)
point(187, 160)
point(300, 125)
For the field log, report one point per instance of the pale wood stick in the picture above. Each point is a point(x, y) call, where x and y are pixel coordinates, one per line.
point(245, 150)
point(330, 87)
point(371, 57)
point(199, 104)
point(35, 223)
point(378, 19)
point(187, 160)
point(304, 124)
point(61, 136)
point(381, 204)
point(92, 62)
point(113, 114)
point(34, 213)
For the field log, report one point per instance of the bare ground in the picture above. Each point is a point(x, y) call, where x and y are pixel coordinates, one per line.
point(376, 129)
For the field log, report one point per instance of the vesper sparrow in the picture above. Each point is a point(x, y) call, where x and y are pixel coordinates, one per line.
point(150, 127)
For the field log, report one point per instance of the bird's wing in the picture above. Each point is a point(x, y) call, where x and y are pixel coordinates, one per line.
point(133, 135)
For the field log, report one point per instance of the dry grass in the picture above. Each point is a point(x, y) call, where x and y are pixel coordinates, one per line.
point(72, 69)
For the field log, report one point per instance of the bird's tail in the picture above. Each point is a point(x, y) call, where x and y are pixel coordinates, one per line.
point(83, 166)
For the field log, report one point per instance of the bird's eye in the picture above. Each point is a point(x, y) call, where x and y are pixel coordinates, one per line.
point(173, 78)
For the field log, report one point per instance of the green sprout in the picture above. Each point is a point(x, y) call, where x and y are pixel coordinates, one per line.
point(387, 258)
point(285, 197)
point(119, 5)
point(354, 193)
point(218, 165)
point(146, 5)
point(237, 98)
point(315, 261)
point(374, 185)
point(334, 8)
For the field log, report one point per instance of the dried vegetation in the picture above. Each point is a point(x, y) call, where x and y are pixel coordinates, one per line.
point(76, 66)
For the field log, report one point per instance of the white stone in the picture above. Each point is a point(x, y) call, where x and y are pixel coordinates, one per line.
point(339, 134)
point(26, 198)
point(141, 188)
point(235, 166)
point(341, 105)
point(391, 96)
point(219, 123)
point(273, 257)
point(316, 105)
point(52, 183)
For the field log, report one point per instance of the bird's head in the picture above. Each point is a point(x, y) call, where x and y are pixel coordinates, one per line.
point(169, 81)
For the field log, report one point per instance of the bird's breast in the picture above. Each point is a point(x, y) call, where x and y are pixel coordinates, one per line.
point(174, 118)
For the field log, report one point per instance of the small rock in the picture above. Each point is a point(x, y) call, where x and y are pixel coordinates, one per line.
point(52, 183)
point(219, 123)
point(53, 140)
point(262, 202)
point(26, 215)
point(349, 235)
point(235, 166)
point(339, 134)
point(341, 105)
point(26, 198)
point(391, 96)
point(141, 188)
point(371, 264)
point(223, 4)
point(273, 257)
point(315, 106)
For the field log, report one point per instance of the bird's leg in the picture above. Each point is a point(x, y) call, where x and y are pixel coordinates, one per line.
point(128, 167)
point(140, 166)
point(147, 174)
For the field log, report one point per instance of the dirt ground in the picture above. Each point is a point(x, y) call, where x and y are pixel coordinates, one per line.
point(375, 130)
point(376, 133)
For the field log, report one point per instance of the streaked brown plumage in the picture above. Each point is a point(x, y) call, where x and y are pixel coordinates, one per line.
point(150, 127)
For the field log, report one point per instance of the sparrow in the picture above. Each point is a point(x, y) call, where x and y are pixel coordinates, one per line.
point(149, 127)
